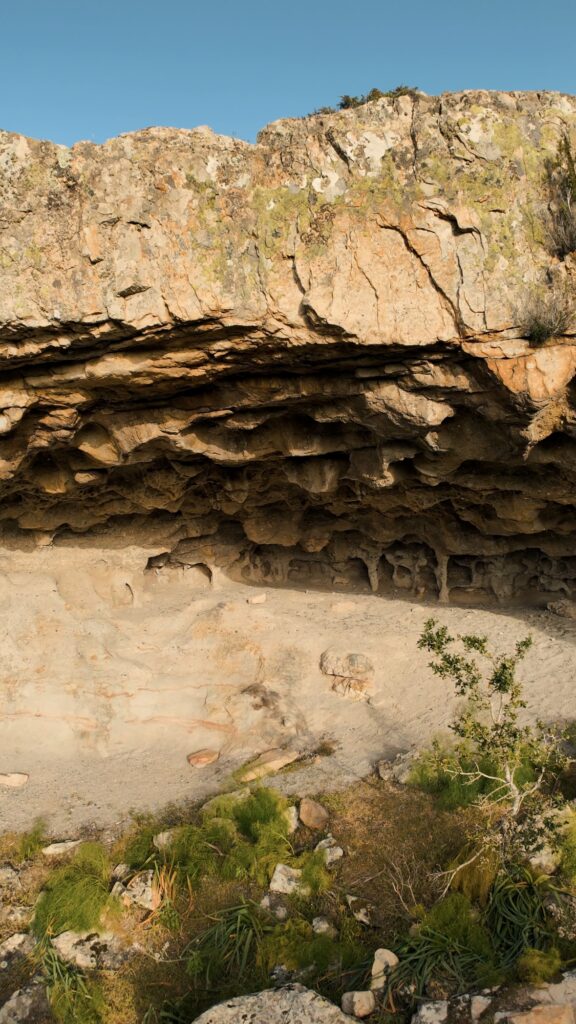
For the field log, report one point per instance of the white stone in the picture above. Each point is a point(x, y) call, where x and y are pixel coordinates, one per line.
point(332, 852)
point(359, 1004)
point(291, 815)
point(287, 881)
point(20, 944)
point(384, 962)
point(434, 1012)
point(142, 891)
point(361, 909)
point(257, 599)
point(322, 926)
point(61, 849)
point(89, 950)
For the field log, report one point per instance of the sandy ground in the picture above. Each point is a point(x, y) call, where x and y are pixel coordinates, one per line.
point(111, 676)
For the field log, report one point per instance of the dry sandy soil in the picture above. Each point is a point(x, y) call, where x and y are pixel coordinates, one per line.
point(112, 675)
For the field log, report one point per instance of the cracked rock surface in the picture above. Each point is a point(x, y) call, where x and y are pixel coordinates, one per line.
point(295, 361)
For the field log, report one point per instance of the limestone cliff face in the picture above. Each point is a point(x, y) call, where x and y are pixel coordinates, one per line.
point(295, 360)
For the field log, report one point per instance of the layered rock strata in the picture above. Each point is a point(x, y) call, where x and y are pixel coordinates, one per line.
point(295, 361)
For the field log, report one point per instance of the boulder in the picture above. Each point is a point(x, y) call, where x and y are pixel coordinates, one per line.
point(91, 950)
point(292, 1004)
point(351, 674)
point(312, 814)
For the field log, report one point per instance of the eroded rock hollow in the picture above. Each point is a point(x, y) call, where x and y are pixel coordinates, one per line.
point(295, 361)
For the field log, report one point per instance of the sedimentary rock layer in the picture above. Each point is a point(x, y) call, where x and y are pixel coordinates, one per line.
point(297, 361)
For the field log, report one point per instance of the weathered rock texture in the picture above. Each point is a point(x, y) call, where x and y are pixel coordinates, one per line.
point(295, 361)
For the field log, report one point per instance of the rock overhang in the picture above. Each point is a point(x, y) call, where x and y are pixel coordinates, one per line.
point(295, 360)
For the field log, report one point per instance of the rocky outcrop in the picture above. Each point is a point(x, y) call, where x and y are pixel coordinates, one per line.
point(293, 1003)
point(295, 361)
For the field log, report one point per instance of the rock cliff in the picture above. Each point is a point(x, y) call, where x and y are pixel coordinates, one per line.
point(297, 361)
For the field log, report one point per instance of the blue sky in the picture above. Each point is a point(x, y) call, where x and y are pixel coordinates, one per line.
point(89, 69)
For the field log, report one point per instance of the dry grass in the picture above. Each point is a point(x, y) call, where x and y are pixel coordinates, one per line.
point(395, 839)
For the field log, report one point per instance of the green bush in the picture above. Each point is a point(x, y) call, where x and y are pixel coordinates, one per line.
point(537, 967)
point(517, 915)
point(452, 950)
point(349, 102)
point(446, 774)
point(75, 895)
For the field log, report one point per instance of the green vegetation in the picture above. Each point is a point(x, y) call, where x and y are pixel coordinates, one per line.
point(497, 917)
point(32, 842)
point(76, 894)
point(73, 998)
point(546, 311)
point(561, 181)
point(348, 102)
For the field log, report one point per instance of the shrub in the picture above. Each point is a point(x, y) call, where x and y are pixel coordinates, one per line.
point(546, 312)
point(451, 951)
point(537, 967)
point(75, 895)
point(349, 102)
point(561, 225)
point(517, 913)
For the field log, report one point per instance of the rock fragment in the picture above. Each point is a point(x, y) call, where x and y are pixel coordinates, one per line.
point(312, 814)
point(13, 780)
point(384, 962)
point(268, 762)
point(203, 758)
point(331, 850)
point(288, 881)
point(358, 1004)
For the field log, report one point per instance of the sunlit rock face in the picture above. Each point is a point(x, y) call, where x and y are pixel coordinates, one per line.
point(295, 362)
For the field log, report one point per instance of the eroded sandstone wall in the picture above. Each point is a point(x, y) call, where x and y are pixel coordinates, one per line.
point(296, 361)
